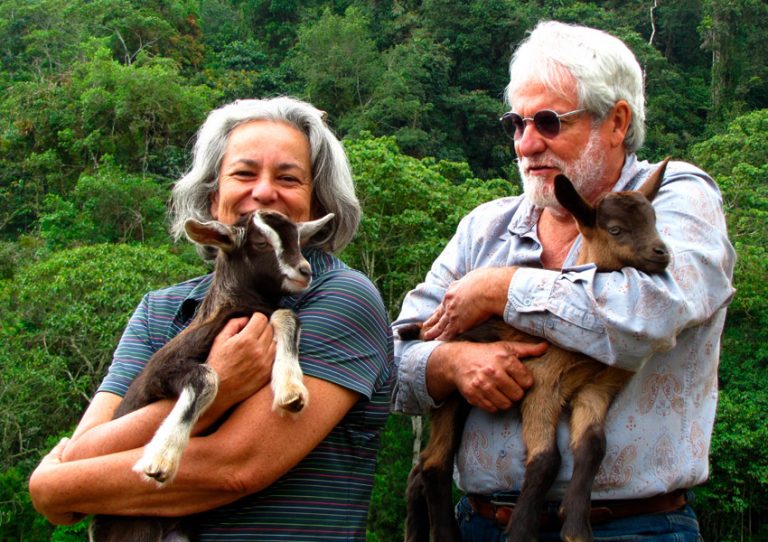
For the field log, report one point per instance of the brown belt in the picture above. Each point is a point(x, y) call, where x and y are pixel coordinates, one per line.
point(500, 512)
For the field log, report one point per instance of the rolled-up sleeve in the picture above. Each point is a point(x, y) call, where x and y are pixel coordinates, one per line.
point(410, 394)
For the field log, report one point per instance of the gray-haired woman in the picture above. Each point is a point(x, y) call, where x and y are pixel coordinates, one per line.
point(250, 473)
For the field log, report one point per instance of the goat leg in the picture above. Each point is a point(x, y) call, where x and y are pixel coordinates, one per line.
point(288, 388)
point(540, 410)
point(589, 408)
point(435, 474)
point(161, 457)
point(417, 513)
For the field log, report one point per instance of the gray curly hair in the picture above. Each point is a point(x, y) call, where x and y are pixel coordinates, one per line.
point(603, 67)
point(333, 189)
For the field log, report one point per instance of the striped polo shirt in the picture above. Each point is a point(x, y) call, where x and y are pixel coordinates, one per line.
point(345, 339)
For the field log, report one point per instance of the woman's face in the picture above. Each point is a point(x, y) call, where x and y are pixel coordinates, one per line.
point(266, 165)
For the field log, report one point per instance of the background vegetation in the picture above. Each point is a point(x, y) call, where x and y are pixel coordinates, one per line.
point(100, 101)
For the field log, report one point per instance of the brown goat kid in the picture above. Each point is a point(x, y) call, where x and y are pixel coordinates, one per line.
point(259, 261)
point(618, 231)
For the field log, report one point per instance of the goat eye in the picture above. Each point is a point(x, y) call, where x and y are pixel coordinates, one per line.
point(614, 230)
point(262, 244)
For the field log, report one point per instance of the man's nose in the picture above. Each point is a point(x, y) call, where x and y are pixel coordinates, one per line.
point(531, 142)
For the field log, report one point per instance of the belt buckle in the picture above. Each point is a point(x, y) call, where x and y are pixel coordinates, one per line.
point(507, 500)
point(502, 509)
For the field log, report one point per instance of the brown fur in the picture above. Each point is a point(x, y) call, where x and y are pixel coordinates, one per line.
point(617, 231)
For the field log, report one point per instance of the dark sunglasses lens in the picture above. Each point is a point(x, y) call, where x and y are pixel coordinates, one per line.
point(547, 123)
point(513, 125)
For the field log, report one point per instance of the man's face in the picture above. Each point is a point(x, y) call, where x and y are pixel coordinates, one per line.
point(578, 151)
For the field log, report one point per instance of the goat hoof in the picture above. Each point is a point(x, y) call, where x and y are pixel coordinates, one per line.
point(576, 533)
point(158, 469)
point(295, 405)
point(293, 398)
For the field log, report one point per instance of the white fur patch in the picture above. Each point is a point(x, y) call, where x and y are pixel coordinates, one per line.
point(288, 388)
point(162, 456)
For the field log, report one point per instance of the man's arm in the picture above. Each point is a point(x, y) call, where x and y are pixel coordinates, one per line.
point(490, 375)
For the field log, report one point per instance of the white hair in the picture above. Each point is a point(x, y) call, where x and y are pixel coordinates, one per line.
point(604, 69)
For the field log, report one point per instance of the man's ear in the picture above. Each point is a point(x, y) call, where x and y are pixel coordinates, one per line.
point(619, 120)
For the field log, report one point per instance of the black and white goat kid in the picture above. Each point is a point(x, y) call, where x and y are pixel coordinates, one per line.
point(259, 261)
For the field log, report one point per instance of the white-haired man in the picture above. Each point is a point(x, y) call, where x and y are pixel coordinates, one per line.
point(577, 107)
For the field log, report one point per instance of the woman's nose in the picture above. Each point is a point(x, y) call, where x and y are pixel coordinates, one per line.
point(264, 190)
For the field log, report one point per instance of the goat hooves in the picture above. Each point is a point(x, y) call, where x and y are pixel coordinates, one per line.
point(293, 398)
point(159, 469)
point(576, 532)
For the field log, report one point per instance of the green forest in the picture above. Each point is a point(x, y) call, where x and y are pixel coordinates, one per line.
point(100, 103)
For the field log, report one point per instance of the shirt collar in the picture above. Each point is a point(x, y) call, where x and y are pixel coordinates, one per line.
point(629, 174)
point(194, 298)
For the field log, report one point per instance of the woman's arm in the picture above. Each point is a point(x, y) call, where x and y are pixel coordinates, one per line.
point(251, 449)
point(242, 356)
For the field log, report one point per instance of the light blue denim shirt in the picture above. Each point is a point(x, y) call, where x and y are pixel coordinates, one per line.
point(666, 328)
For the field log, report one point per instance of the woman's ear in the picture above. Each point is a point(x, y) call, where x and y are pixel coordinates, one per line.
point(215, 205)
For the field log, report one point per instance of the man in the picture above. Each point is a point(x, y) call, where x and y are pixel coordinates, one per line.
point(577, 108)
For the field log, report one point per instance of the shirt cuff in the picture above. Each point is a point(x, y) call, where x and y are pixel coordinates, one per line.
point(411, 395)
point(529, 291)
point(538, 299)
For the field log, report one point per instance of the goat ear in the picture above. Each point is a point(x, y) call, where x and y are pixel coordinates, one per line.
point(651, 187)
point(213, 234)
point(581, 210)
point(308, 229)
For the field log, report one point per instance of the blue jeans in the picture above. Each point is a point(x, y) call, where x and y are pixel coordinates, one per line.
point(679, 526)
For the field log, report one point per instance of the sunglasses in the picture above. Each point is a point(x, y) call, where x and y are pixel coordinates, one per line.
point(546, 121)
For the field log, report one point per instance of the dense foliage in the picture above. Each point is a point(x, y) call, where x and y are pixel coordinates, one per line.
point(100, 101)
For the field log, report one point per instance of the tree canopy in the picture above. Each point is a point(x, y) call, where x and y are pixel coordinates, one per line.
point(100, 103)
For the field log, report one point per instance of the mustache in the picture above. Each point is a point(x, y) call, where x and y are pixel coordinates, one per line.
point(526, 163)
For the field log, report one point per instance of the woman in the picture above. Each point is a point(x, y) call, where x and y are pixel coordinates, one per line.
point(249, 472)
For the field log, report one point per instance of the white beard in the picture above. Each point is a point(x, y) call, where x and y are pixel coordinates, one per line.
point(585, 174)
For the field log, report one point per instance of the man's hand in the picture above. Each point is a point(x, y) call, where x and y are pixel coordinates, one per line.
point(469, 301)
point(488, 375)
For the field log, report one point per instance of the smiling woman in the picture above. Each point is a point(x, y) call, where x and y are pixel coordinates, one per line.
point(249, 472)
point(266, 166)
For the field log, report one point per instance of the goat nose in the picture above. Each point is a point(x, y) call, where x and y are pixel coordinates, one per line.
point(660, 250)
point(305, 270)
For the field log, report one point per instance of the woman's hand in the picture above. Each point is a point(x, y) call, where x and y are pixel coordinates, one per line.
point(46, 468)
point(469, 301)
point(242, 355)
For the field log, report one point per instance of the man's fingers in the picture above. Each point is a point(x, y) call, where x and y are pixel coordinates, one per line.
point(434, 325)
point(528, 350)
point(492, 401)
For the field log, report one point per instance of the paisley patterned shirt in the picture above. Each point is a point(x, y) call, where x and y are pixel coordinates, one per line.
point(665, 328)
